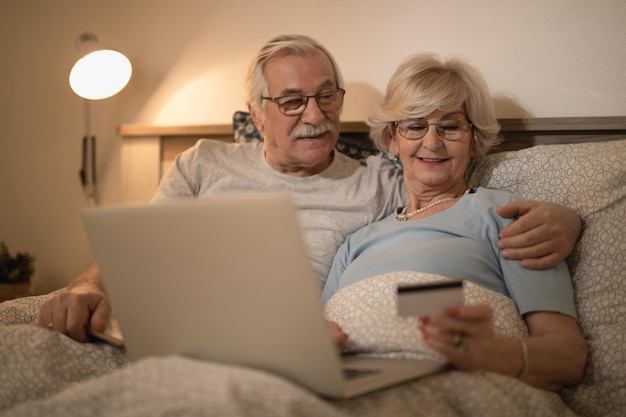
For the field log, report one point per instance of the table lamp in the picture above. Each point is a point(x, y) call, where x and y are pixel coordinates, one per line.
point(99, 73)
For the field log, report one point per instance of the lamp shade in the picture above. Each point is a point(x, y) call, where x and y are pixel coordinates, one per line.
point(100, 73)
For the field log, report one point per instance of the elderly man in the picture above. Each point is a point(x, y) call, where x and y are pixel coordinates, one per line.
point(295, 94)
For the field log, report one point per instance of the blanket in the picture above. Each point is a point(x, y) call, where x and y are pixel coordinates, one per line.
point(45, 373)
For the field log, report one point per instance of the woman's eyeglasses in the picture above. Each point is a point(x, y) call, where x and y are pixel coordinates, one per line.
point(446, 129)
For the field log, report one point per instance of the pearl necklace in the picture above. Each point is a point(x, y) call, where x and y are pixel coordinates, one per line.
point(404, 216)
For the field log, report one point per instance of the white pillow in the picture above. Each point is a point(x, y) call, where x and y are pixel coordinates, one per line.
point(590, 178)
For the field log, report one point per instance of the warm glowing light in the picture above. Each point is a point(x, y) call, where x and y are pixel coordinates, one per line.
point(100, 74)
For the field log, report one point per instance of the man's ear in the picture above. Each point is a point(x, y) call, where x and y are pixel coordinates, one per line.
point(256, 118)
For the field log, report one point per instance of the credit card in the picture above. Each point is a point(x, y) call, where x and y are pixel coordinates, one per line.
point(429, 298)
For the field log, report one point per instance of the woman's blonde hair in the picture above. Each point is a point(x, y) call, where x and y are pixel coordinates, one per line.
point(284, 45)
point(424, 83)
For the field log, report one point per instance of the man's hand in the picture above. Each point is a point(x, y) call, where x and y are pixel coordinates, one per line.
point(543, 236)
point(84, 303)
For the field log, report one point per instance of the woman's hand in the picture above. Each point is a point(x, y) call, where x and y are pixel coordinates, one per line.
point(462, 334)
point(337, 334)
point(556, 351)
point(542, 236)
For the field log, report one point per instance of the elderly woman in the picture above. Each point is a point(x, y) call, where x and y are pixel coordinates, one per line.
point(437, 119)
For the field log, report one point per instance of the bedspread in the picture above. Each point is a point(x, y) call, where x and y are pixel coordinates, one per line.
point(45, 373)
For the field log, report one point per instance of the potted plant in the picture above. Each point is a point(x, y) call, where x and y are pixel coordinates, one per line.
point(15, 273)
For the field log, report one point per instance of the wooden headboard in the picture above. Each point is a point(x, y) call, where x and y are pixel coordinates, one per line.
point(148, 150)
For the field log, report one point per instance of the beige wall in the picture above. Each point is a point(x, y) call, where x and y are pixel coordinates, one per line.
point(541, 58)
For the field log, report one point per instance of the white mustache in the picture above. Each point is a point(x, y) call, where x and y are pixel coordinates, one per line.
point(303, 130)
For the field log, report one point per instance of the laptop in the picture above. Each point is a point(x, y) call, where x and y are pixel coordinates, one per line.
point(228, 280)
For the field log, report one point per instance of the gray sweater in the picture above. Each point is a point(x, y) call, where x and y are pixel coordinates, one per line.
point(348, 195)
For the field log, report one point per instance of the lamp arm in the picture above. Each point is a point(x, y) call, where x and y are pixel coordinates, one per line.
point(87, 172)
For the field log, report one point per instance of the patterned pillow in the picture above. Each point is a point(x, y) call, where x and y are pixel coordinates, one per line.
point(591, 179)
point(245, 131)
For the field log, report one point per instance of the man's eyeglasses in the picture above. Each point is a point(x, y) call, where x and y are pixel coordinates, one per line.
point(292, 105)
point(446, 129)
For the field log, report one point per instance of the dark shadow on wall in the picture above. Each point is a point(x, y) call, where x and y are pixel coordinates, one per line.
point(508, 106)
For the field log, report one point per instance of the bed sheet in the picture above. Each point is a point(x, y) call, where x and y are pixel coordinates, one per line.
point(45, 373)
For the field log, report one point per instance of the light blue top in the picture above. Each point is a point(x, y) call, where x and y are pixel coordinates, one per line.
point(459, 242)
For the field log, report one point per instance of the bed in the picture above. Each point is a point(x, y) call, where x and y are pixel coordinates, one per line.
point(576, 162)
